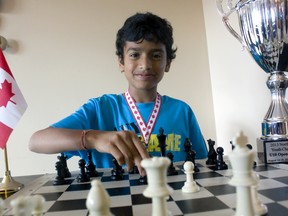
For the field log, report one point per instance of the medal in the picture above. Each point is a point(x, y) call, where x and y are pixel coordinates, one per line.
point(146, 129)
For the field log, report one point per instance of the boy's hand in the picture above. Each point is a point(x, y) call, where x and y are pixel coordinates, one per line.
point(125, 147)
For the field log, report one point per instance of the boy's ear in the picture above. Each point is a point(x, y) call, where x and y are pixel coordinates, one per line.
point(121, 64)
point(167, 68)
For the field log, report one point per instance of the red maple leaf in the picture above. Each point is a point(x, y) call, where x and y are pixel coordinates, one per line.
point(6, 93)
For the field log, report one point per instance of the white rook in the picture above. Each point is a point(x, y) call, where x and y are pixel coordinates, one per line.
point(157, 189)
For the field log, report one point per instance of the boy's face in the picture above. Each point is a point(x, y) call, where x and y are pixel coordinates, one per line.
point(144, 64)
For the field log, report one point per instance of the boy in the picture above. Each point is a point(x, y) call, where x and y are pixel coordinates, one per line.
point(112, 124)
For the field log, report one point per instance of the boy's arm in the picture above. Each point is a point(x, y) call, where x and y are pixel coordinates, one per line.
point(125, 146)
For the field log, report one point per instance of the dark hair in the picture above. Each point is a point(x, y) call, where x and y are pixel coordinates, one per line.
point(146, 26)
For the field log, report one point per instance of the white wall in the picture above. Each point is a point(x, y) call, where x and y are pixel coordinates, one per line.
point(61, 53)
point(241, 98)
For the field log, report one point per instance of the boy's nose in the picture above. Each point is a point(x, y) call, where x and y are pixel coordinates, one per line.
point(145, 64)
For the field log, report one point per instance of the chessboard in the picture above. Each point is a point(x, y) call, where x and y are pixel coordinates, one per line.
point(216, 196)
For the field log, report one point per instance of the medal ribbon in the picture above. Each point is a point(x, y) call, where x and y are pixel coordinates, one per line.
point(146, 130)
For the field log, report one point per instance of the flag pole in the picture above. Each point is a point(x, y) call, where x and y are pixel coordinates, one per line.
point(8, 185)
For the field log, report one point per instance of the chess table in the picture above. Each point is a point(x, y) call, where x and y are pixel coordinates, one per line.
point(216, 196)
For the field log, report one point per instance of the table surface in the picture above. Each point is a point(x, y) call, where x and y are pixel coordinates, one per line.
point(216, 195)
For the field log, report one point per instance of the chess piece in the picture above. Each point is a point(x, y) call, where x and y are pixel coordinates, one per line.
point(190, 154)
point(143, 180)
point(21, 206)
point(82, 177)
point(63, 159)
point(157, 189)
point(162, 142)
point(90, 167)
point(212, 155)
point(134, 170)
point(220, 163)
point(241, 159)
point(2, 205)
point(38, 205)
point(59, 179)
point(171, 169)
point(232, 145)
point(190, 185)
point(117, 171)
point(249, 146)
point(259, 208)
point(98, 201)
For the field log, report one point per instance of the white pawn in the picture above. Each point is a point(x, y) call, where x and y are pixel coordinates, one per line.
point(38, 205)
point(22, 206)
point(98, 201)
point(190, 185)
point(1, 206)
point(259, 208)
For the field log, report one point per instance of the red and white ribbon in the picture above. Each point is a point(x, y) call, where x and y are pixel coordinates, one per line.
point(146, 129)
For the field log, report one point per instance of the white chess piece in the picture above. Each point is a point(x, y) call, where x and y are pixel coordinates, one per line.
point(190, 185)
point(241, 160)
point(1, 206)
point(260, 208)
point(38, 205)
point(98, 201)
point(157, 189)
point(22, 206)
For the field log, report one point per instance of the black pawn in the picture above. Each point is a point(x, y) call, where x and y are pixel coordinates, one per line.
point(63, 159)
point(212, 155)
point(117, 171)
point(249, 146)
point(220, 163)
point(162, 142)
point(134, 170)
point(90, 167)
point(171, 169)
point(82, 177)
point(232, 145)
point(190, 154)
point(143, 180)
point(59, 179)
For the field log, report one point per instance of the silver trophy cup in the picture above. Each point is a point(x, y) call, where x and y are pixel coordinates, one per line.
point(264, 33)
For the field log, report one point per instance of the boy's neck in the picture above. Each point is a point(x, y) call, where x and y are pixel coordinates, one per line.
point(143, 96)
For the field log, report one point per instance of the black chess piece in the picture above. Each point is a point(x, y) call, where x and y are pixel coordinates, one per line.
point(134, 170)
point(162, 142)
point(117, 171)
point(59, 179)
point(249, 146)
point(143, 180)
point(171, 169)
point(212, 155)
point(232, 145)
point(90, 167)
point(63, 159)
point(190, 154)
point(220, 163)
point(82, 177)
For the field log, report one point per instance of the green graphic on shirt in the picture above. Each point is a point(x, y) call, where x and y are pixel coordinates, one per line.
point(173, 142)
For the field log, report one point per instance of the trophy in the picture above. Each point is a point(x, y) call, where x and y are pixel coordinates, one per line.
point(263, 26)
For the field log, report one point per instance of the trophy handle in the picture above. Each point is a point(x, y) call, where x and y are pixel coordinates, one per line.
point(225, 18)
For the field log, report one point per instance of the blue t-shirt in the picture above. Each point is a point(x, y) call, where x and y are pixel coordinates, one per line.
point(111, 112)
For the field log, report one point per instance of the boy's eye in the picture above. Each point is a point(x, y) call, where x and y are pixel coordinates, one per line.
point(157, 55)
point(133, 55)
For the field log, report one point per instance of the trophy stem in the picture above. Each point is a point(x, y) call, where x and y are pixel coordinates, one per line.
point(275, 124)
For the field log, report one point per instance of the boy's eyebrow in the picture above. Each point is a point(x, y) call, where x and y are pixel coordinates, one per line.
point(139, 49)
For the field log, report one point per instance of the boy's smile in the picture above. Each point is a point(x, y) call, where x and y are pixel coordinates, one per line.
point(144, 64)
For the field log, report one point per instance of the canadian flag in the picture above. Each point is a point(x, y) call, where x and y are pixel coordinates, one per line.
point(12, 102)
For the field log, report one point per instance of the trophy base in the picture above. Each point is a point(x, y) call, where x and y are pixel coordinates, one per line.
point(272, 151)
